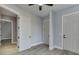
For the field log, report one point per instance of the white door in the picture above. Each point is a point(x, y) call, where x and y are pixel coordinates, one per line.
point(46, 32)
point(71, 32)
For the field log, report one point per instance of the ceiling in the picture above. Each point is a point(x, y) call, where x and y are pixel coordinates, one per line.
point(6, 12)
point(46, 9)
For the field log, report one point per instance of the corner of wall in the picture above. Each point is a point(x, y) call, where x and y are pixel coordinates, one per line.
point(38, 43)
point(58, 47)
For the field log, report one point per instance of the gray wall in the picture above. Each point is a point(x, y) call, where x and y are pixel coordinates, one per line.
point(37, 30)
point(58, 24)
point(46, 30)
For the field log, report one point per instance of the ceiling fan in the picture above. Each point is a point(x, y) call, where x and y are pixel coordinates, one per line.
point(40, 6)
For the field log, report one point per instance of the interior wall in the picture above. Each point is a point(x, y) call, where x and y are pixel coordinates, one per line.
point(37, 30)
point(25, 23)
point(46, 30)
point(14, 30)
point(58, 42)
point(51, 29)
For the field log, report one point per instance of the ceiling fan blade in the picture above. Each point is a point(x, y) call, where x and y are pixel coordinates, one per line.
point(40, 8)
point(31, 4)
point(49, 4)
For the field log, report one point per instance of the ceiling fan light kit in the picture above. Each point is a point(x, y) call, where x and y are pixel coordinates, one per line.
point(40, 5)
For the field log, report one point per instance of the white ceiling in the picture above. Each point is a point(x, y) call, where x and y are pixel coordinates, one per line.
point(46, 9)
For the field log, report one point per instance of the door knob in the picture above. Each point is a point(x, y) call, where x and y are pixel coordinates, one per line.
point(64, 36)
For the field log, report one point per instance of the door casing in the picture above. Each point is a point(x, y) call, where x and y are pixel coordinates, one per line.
point(62, 25)
point(18, 14)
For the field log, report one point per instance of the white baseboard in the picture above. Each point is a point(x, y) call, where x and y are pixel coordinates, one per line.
point(35, 44)
point(58, 47)
point(5, 38)
point(51, 48)
point(14, 43)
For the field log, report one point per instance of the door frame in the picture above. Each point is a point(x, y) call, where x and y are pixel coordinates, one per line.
point(18, 15)
point(74, 12)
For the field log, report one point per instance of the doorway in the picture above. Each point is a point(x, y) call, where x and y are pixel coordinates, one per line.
point(8, 36)
point(71, 32)
point(8, 32)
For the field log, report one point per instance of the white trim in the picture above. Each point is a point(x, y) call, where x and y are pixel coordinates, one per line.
point(12, 32)
point(62, 25)
point(7, 20)
point(58, 47)
point(62, 34)
point(74, 12)
point(14, 43)
point(51, 48)
point(35, 44)
point(5, 38)
point(50, 32)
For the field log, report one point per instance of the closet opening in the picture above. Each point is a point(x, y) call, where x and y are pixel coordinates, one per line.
point(8, 32)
